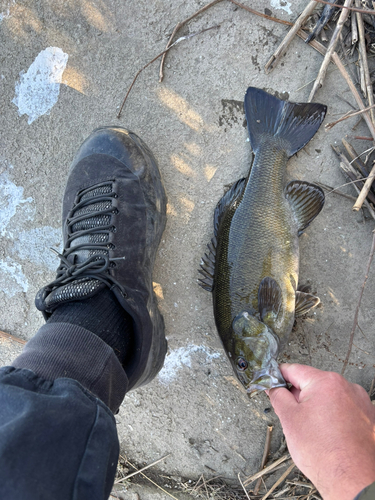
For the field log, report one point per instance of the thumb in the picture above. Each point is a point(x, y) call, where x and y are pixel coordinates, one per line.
point(283, 402)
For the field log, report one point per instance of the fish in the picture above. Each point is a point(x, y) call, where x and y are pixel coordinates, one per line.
point(252, 263)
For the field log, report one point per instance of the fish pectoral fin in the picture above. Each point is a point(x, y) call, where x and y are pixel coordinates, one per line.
point(305, 302)
point(269, 300)
point(306, 201)
point(234, 193)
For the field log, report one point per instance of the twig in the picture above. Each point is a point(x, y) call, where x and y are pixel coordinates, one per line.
point(364, 191)
point(257, 13)
point(335, 190)
point(332, 45)
point(362, 138)
point(177, 27)
point(353, 9)
point(243, 487)
point(358, 306)
point(266, 470)
point(363, 53)
point(289, 37)
point(8, 336)
point(153, 482)
point(355, 158)
point(266, 451)
point(157, 57)
point(348, 115)
point(354, 29)
point(354, 91)
point(140, 470)
point(279, 481)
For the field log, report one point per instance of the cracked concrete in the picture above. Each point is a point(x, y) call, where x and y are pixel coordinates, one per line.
point(194, 123)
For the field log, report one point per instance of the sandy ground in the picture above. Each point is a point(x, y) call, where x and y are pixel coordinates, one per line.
point(194, 123)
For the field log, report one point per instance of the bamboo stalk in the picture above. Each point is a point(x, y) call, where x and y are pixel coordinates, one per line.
point(332, 45)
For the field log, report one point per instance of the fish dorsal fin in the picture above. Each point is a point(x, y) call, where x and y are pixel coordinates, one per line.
point(208, 266)
point(305, 302)
point(269, 300)
point(233, 194)
point(306, 201)
point(270, 119)
point(229, 199)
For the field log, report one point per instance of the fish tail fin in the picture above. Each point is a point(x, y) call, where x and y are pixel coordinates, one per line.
point(292, 125)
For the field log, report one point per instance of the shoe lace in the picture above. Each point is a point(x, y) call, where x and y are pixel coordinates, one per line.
point(97, 265)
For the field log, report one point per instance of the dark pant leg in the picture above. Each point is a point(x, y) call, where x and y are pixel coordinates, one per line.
point(58, 440)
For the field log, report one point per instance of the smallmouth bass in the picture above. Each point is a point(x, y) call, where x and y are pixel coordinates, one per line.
point(252, 262)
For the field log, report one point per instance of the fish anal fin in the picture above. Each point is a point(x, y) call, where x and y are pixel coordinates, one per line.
point(233, 194)
point(306, 201)
point(305, 302)
point(269, 300)
point(208, 267)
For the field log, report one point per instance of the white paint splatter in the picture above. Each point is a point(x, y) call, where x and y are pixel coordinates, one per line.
point(38, 89)
point(34, 245)
point(179, 357)
point(282, 4)
point(12, 279)
point(11, 196)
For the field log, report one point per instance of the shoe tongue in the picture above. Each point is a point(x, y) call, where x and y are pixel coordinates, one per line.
point(79, 289)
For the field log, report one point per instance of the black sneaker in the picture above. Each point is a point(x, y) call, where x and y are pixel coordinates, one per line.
point(114, 213)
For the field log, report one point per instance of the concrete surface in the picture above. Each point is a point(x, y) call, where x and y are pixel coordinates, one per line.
point(194, 123)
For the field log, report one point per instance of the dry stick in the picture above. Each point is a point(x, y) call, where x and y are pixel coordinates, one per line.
point(363, 53)
point(335, 190)
point(364, 191)
point(302, 34)
point(355, 158)
point(279, 481)
point(8, 336)
point(332, 45)
point(349, 173)
point(354, 91)
point(257, 13)
point(157, 57)
point(353, 9)
point(354, 29)
point(140, 470)
point(266, 470)
point(266, 451)
point(353, 174)
point(177, 27)
point(243, 487)
point(151, 481)
point(289, 37)
point(358, 306)
point(348, 115)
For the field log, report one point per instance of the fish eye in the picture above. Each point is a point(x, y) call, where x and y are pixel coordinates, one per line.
point(241, 364)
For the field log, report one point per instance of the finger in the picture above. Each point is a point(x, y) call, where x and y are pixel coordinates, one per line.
point(299, 376)
point(282, 400)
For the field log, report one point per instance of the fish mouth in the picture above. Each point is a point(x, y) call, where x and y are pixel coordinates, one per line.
point(267, 378)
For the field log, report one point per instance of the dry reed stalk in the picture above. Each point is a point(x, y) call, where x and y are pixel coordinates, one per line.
point(331, 48)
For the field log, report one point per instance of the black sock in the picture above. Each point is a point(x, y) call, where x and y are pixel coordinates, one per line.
point(102, 315)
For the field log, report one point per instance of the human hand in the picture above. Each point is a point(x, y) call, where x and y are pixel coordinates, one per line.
point(329, 426)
